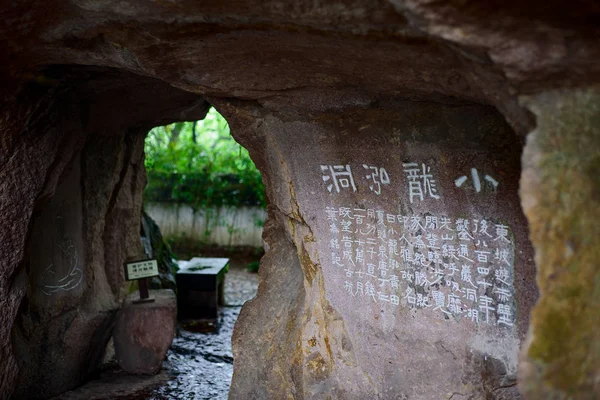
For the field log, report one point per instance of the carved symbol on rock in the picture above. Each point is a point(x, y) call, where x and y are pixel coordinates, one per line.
point(476, 180)
point(378, 176)
point(62, 278)
point(420, 181)
point(338, 177)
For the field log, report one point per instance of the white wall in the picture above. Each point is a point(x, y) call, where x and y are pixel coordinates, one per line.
point(226, 226)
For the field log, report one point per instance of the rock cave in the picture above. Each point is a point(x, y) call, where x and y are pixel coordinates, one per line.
point(432, 172)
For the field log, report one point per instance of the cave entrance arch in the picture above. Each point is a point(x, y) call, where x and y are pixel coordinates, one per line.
point(94, 203)
point(72, 124)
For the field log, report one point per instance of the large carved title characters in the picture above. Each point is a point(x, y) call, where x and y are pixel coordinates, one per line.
point(458, 267)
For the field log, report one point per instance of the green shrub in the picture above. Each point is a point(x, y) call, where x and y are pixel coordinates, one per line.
point(200, 164)
point(253, 266)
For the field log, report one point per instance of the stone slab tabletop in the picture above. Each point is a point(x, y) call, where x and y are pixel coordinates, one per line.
point(202, 266)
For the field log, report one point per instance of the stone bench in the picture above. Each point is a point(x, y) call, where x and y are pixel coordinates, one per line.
point(200, 287)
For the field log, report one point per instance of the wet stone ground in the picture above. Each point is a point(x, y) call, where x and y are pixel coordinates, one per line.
point(200, 362)
point(200, 365)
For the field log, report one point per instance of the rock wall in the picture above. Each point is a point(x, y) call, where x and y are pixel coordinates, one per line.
point(394, 292)
point(426, 105)
point(30, 170)
point(559, 190)
point(74, 264)
point(156, 247)
point(81, 223)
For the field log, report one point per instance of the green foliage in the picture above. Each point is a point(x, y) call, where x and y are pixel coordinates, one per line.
point(200, 164)
point(253, 266)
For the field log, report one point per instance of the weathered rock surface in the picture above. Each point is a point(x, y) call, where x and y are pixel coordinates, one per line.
point(144, 331)
point(155, 247)
point(560, 190)
point(306, 84)
point(374, 315)
point(77, 221)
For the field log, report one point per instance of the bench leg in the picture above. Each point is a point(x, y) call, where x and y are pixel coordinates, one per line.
point(221, 293)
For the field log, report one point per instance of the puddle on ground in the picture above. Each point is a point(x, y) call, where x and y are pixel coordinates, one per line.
point(199, 362)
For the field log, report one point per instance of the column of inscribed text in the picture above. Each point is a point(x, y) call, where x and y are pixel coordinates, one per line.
point(460, 268)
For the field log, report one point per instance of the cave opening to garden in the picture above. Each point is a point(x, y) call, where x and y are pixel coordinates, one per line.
point(206, 196)
point(202, 187)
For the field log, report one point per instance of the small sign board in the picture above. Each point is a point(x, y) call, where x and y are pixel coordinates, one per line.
point(140, 269)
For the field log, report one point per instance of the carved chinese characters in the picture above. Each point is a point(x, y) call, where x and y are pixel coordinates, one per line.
point(415, 266)
point(453, 267)
point(460, 268)
point(420, 181)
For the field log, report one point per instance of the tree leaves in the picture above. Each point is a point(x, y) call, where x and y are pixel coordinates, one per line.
point(199, 163)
